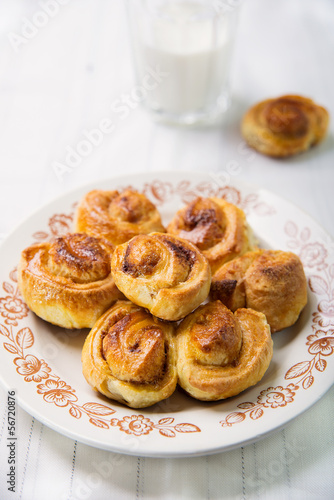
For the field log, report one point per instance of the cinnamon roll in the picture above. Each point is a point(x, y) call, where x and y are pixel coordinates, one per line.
point(220, 353)
point(117, 217)
point(284, 126)
point(165, 274)
point(130, 356)
point(270, 281)
point(218, 228)
point(68, 282)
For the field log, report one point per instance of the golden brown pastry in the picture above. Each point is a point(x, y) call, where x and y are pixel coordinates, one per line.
point(130, 356)
point(68, 282)
point(117, 217)
point(218, 228)
point(284, 126)
point(270, 281)
point(220, 353)
point(167, 275)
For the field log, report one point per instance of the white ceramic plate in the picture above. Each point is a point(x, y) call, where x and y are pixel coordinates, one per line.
point(42, 362)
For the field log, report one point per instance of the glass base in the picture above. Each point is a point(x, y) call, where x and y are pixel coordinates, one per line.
point(192, 119)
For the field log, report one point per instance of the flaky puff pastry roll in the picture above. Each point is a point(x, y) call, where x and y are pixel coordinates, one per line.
point(220, 353)
point(165, 274)
point(130, 356)
point(117, 217)
point(284, 126)
point(218, 228)
point(269, 281)
point(68, 282)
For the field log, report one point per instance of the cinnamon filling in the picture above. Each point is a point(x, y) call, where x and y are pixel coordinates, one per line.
point(216, 336)
point(203, 224)
point(141, 257)
point(135, 350)
point(130, 206)
point(79, 257)
point(286, 117)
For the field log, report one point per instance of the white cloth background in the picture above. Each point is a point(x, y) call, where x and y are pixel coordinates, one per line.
point(61, 81)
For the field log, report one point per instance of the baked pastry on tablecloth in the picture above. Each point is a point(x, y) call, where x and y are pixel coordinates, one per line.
point(284, 126)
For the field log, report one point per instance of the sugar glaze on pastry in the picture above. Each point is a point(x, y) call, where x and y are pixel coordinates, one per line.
point(218, 228)
point(68, 282)
point(269, 281)
point(130, 356)
point(165, 274)
point(220, 354)
point(117, 217)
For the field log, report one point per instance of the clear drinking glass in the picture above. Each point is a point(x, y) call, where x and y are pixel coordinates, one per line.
point(182, 54)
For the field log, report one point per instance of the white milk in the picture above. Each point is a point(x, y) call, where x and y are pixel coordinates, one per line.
point(193, 45)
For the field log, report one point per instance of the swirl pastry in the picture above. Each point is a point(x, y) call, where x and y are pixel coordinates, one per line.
point(68, 282)
point(130, 356)
point(270, 281)
point(167, 275)
point(284, 126)
point(216, 227)
point(220, 353)
point(117, 217)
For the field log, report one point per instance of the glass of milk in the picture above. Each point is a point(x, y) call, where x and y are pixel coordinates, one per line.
point(182, 53)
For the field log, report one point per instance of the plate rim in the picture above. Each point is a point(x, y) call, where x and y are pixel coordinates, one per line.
point(177, 176)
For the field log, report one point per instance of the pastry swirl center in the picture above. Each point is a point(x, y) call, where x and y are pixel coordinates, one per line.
point(142, 257)
point(203, 224)
point(130, 206)
point(216, 336)
point(134, 349)
point(78, 257)
point(158, 258)
point(286, 117)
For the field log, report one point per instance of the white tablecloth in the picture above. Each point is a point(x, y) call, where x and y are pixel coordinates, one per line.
point(59, 79)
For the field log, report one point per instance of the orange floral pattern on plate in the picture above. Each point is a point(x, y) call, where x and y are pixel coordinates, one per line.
point(161, 192)
point(55, 391)
point(314, 255)
point(58, 392)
